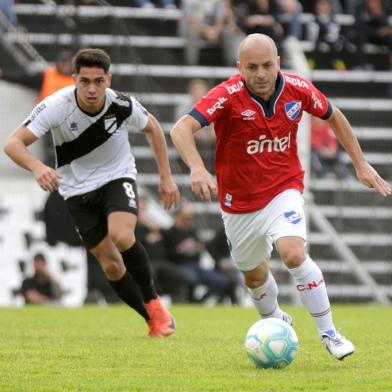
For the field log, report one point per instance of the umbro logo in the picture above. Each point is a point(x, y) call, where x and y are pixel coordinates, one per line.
point(248, 115)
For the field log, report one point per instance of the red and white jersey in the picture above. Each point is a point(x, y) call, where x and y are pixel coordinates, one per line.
point(256, 141)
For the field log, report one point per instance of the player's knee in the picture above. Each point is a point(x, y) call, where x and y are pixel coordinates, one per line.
point(293, 257)
point(113, 269)
point(122, 239)
point(255, 280)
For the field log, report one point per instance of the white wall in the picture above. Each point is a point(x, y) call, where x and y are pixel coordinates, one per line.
point(20, 196)
point(16, 104)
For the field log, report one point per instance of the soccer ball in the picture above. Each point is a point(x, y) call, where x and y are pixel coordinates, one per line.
point(271, 343)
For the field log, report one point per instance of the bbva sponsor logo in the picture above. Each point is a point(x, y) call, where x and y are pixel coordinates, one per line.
point(296, 82)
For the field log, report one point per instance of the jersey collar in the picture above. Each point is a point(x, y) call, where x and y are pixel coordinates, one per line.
point(269, 106)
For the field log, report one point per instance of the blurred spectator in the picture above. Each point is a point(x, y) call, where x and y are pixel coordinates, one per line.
point(371, 26)
point(232, 34)
point(57, 77)
point(205, 138)
point(326, 155)
point(290, 17)
point(168, 4)
point(41, 288)
point(196, 90)
point(278, 19)
point(169, 280)
point(203, 22)
point(81, 2)
point(325, 34)
point(184, 249)
point(337, 6)
point(8, 10)
point(218, 248)
point(260, 16)
point(349, 6)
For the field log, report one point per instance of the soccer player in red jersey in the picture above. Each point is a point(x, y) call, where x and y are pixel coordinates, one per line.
point(260, 179)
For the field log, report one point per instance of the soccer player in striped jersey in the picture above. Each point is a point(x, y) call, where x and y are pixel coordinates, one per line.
point(95, 173)
point(260, 179)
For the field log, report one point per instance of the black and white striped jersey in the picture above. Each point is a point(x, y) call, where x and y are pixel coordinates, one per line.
point(91, 150)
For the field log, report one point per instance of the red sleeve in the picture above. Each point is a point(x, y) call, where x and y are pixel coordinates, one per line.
point(213, 106)
point(316, 103)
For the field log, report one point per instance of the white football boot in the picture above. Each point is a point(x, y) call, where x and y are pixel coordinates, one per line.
point(287, 318)
point(337, 345)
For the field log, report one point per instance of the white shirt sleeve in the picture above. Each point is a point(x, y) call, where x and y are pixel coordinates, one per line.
point(139, 117)
point(39, 121)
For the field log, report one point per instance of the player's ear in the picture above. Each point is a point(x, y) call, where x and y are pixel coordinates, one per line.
point(238, 64)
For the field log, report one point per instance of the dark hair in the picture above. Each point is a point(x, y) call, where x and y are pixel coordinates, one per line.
point(91, 58)
point(39, 257)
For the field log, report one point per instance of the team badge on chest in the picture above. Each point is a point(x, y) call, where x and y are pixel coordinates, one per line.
point(293, 109)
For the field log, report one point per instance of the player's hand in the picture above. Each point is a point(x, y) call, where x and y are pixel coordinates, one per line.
point(203, 185)
point(47, 178)
point(369, 177)
point(168, 192)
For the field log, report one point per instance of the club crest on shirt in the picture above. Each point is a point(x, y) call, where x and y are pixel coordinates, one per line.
point(293, 217)
point(110, 123)
point(293, 109)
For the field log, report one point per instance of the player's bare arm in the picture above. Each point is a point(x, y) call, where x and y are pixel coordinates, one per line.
point(182, 136)
point(168, 189)
point(365, 172)
point(15, 147)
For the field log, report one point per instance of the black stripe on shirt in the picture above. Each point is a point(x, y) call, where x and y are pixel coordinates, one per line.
point(95, 135)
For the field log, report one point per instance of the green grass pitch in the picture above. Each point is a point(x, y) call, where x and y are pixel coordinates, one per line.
point(106, 349)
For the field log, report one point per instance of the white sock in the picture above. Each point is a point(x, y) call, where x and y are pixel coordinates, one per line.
point(265, 298)
point(311, 288)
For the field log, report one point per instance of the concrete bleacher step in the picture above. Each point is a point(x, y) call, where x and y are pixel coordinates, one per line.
point(98, 18)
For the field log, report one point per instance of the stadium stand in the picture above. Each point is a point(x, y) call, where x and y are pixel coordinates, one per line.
point(148, 62)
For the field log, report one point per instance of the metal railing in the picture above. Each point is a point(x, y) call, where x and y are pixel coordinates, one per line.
point(313, 212)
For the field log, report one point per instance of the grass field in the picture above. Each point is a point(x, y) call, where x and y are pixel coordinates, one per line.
point(106, 349)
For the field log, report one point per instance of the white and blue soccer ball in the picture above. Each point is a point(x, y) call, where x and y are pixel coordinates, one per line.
point(271, 343)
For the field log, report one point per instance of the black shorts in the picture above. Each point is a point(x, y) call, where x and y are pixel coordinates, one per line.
point(90, 210)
